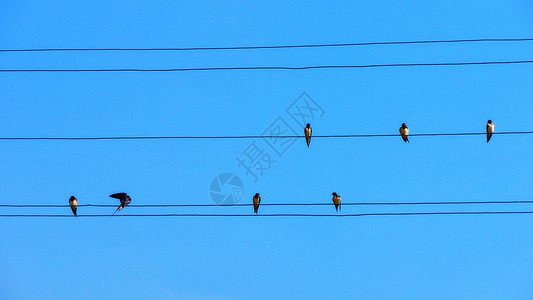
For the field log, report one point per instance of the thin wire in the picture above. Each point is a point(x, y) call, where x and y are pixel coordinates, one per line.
point(275, 46)
point(274, 204)
point(249, 136)
point(282, 215)
point(271, 67)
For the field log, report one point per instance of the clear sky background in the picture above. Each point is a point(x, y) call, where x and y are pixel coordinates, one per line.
point(437, 257)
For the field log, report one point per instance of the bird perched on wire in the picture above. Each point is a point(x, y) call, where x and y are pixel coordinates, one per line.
point(257, 202)
point(404, 131)
point(73, 204)
point(336, 201)
point(308, 132)
point(124, 200)
point(490, 129)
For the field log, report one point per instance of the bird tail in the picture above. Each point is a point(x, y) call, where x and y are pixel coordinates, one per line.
point(118, 209)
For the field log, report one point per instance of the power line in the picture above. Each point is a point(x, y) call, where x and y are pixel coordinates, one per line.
point(275, 46)
point(250, 136)
point(279, 68)
point(283, 215)
point(274, 204)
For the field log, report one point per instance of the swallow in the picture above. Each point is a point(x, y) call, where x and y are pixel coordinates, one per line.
point(257, 202)
point(124, 200)
point(308, 132)
point(490, 129)
point(73, 204)
point(404, 131)
point(336, 201)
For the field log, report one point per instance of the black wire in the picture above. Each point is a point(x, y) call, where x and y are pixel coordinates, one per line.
point(275, 204)
point(274, 47)
point(281, 215)
point(271, 67)
point(248, 136)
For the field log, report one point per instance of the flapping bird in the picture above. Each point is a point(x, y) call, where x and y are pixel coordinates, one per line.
point(308, 132)
point(257, 202)
point(404, 131)
point(124, 200)
point(490, 129)
point(73, 204)
point(336, 201)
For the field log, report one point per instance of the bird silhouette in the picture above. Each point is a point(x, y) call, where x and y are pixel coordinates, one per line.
point(257, 202)
point(404, 131)
point(124, 200)
point(490, 129)
point(308, 133)
point(73, 204)
point(336, 201)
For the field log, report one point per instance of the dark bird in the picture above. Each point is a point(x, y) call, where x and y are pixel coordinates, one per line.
point(73, 204)
point(490, 129)
point(257, 202)
point(404, 131)
point(336, 201)
point(124, 200)
point(308, 132)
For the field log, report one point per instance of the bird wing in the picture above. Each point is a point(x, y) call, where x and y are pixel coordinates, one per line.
point(119, 196)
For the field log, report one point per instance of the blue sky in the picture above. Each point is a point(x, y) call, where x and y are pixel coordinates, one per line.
point(437, 257)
